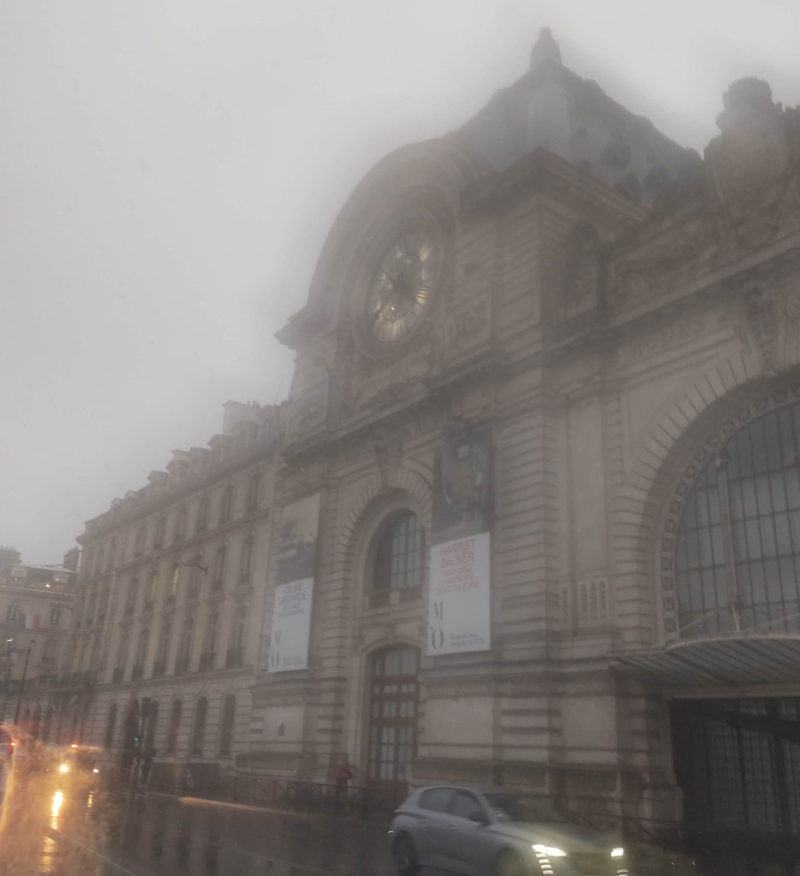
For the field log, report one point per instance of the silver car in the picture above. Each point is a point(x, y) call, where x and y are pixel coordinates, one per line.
point(496, 833)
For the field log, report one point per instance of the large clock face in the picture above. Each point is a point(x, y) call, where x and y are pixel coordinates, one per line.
point(403, 284)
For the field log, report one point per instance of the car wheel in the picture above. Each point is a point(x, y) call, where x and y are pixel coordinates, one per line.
point(405, 857)
point(509, 863)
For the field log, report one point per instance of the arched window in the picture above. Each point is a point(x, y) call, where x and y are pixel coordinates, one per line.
point(399, 557)
point(180, 525)
point(254, 492)
point(174, 578)
point(174, 726)
point(158, 535)
point(110, 725)
point(199, 731)
point(228, 716)
point(219, 567)
point(737, 556)
point(246, 565)
point(202, 515)
point(133, 591)
point(393, 714)
point(226, 504)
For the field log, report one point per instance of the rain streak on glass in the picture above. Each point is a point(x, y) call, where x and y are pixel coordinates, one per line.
point(402, 286)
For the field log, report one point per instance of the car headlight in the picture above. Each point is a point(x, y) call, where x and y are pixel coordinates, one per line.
point(550, 851)
point(95, 770)
point(64, 768)
point(618, 852)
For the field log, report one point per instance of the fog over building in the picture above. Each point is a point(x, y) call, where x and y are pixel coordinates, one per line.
point(540, 462)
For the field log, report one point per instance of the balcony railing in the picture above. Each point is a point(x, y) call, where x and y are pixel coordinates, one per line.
point(137, 672)
point(234, 657)
point(181, 665)
point(206, 661)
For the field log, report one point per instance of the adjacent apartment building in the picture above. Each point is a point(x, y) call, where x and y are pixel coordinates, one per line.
point(36, 603)
point(537, 515)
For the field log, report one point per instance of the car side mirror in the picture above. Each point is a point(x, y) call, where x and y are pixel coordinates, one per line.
point(478, 817)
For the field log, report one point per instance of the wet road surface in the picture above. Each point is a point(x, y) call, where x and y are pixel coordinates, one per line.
point(48, 826)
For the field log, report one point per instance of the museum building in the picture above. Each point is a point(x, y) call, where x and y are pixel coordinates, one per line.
point(535, 517)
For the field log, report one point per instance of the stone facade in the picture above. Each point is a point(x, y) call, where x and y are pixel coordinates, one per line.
point(613, 309)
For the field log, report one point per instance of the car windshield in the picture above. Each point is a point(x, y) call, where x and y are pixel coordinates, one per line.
point(522, 808)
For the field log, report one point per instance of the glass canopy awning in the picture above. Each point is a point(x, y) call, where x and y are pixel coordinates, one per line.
point(731, 661)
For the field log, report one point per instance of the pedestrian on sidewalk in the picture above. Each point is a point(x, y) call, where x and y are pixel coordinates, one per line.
point(343, 776)
point(147, 765)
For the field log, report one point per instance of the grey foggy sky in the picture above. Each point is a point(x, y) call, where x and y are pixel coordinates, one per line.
point(169, 170)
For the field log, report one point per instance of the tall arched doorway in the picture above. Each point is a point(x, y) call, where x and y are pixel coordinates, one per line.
point(737, 583)
point(394, 696)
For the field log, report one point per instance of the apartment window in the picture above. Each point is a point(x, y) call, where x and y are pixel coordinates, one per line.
point(174, 578)
point(228, 717)
point(199, 732)
point(202, 514)
point(226, 505)
point(254, 492)
point(180, 525)
point(174, 726)
point(55, 617)
point(112, 720)
point(90, 608)
point(99, 563)
point(185, 650)
point(239, 627)
point(152, 587)
point(89, 564)
point(219, 566)
point(12, 614)
point(141, 652)
point(122, 655)
point(133, 590)
point(158, 536)
point(112, 552)
point(195, 571)
point(163, 648)
point(103, 606)
point(138, 545)
point(212, 628)
point(246, 566)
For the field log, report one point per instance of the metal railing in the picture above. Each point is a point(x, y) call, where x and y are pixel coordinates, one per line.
point(290, 794)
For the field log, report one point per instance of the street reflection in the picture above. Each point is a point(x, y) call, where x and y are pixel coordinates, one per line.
point(58, 799)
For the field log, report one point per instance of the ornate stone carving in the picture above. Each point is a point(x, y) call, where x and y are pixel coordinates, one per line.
point(467, 320)
point(760, 322)
point(387, 445)
point(753, 148)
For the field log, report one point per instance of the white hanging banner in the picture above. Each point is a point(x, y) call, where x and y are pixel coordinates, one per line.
point(459, 600)
point(291, 626)
point(459, 609)
point(294, 595)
